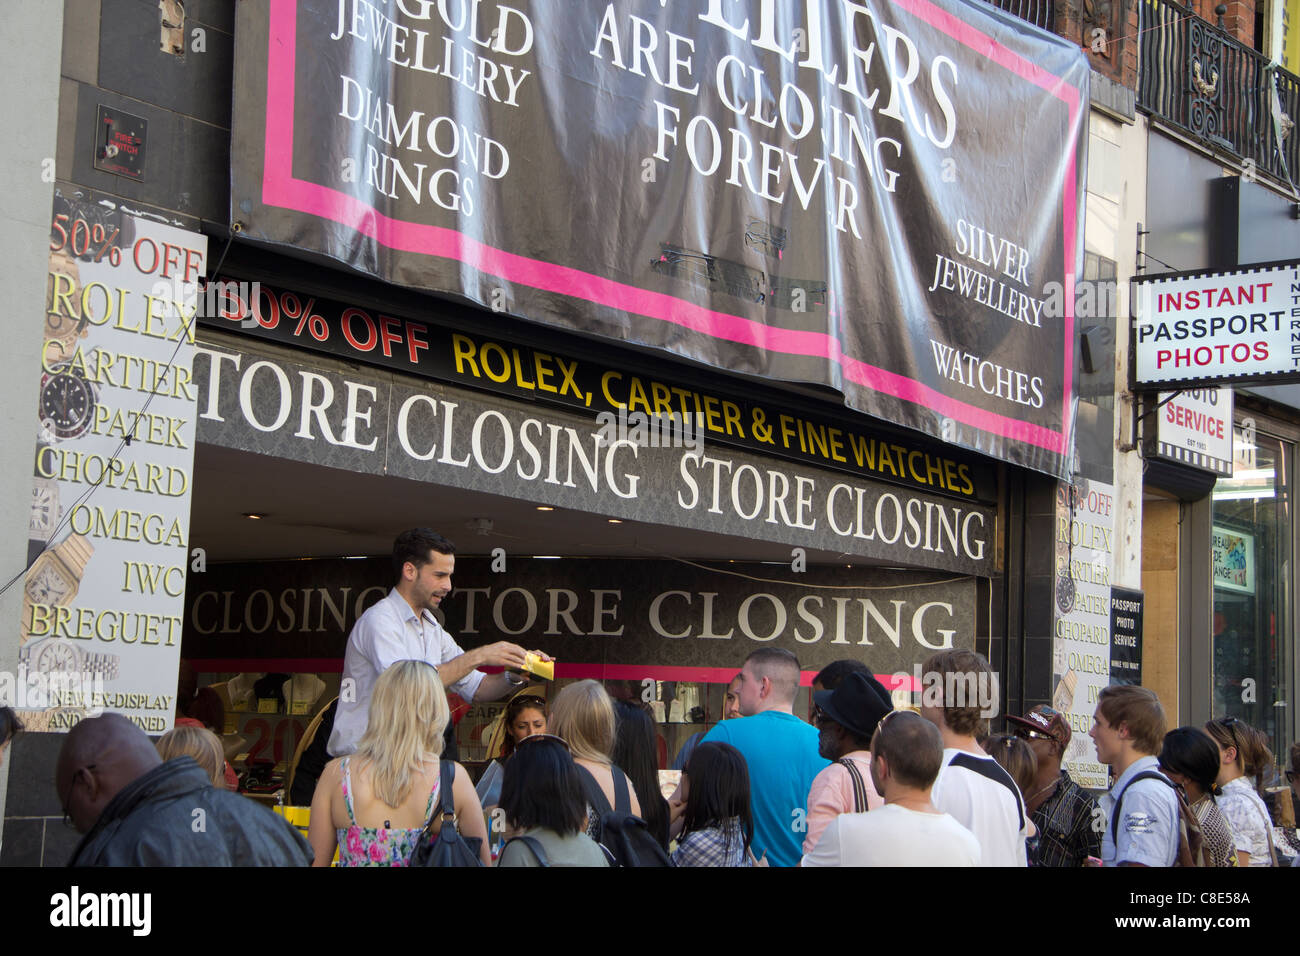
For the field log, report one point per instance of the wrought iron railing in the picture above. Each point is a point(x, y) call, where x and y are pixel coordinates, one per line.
point(1204, 82)
point(1037, 12)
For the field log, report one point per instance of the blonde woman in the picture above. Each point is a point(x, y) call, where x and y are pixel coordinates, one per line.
point(201, 744)
point(583, 715)
point(374, 804)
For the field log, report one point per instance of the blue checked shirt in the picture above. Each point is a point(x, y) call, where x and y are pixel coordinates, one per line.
point(715, 846)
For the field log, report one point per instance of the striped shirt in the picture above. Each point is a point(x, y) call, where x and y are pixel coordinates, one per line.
point(1069, 826)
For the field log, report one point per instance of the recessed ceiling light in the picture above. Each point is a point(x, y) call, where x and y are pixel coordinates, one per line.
point(253, 516)
point(546, 557)
point(545, 508)
point(615, 520)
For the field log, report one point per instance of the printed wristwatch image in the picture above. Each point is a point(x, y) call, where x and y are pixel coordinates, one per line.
point(55, 577)
point(67, 404)
point(58, 655)
point(46, 510)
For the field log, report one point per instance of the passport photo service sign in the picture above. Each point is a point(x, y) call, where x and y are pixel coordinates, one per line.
point(1210, 329)
point(1195, 428)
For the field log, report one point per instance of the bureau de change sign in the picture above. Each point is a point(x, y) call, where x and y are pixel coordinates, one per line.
point(882, 198)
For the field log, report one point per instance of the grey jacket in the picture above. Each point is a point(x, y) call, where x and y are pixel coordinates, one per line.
point(173, 816)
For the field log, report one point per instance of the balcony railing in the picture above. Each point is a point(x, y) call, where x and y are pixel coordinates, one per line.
point(1037, 12)
point(1201, 80)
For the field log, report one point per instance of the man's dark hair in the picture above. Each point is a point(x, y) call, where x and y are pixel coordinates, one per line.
point(541, 788)
point(636, 755)
point(912, 746)
point(859, 742)
point(414, 546)
point(718, 789)
point(833, 674)
point(9, 724)
point(1191, 752)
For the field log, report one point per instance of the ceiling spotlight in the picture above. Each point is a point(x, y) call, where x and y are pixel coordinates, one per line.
point(615, 520)
point(253, 516)
point(545, 508)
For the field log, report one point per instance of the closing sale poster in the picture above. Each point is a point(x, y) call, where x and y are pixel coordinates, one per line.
point(1085, 536)
point(113, 421)
point(880, 198)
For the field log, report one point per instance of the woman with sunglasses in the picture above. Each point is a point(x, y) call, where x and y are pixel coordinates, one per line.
point(545, 809)
point(1243, 753)
point(525, 716)
point(1190, 759)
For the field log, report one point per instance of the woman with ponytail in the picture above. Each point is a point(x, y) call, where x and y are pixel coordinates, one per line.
point(1190, 759)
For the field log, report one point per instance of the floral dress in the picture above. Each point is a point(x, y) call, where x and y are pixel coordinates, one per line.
point(1249, 820)
point(378, 846)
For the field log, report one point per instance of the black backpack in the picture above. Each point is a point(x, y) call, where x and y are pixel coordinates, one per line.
point(626, 839)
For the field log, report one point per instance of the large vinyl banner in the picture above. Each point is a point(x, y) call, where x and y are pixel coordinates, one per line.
point(881, 198)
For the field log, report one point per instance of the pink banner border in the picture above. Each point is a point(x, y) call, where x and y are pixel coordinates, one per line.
point(281, 189)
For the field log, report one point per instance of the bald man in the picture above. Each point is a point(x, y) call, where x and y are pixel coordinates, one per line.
point(136, 810)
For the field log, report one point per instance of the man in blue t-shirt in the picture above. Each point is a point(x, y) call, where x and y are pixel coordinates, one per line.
point(780, 749)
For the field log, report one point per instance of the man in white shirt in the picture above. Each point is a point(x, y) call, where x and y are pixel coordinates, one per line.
point(909, 830)
point(402, 627)
point(958, 693)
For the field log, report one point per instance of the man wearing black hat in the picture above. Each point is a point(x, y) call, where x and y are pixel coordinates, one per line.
point(1068, 819)
point(846, 717)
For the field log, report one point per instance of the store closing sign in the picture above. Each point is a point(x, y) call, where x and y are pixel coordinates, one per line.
point(412, 429)
point(371, 337)
point(580, 610)
point(811, 192)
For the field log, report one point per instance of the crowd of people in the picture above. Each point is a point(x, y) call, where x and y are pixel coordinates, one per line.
point(863, 784)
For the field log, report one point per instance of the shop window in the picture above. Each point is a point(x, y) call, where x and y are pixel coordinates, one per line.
point(1253, 548)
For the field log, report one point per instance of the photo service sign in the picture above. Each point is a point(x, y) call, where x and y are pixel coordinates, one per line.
point(1195, 427)
point(102, 604)
point(882, 198)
